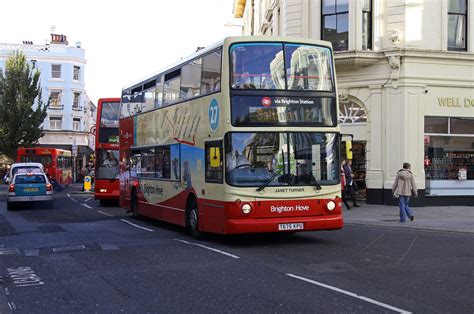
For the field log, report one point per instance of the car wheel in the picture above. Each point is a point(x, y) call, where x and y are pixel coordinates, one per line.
point(193, 221)
point(134, 205)
point(10, 206)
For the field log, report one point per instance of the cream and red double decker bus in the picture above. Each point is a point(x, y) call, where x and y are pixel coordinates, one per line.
point(240, 137)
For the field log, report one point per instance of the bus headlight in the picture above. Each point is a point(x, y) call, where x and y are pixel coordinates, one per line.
point(331, 205)
point(103, 190)
point(246, 208)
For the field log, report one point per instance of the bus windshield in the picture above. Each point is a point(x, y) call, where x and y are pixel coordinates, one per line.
point(107, 164)
point(298, 158)
point(278, 66)
point(108, 131)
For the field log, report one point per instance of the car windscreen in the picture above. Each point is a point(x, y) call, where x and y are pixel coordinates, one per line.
point(26, 168)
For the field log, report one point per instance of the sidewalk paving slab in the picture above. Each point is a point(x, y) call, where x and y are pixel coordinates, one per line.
point(433, 218)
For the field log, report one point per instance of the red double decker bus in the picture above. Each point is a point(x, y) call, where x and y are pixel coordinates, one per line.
point(107, 150)
point(56, 162)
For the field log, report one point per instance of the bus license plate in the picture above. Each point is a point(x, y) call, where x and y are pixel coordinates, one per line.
point(293, 226)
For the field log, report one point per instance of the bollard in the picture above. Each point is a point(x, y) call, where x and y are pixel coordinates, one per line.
point(87, 183)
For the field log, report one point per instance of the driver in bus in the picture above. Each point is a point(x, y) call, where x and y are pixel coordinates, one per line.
point(234, 160)
point(110, 161)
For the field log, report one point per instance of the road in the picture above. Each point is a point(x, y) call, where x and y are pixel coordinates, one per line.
point(81, 257)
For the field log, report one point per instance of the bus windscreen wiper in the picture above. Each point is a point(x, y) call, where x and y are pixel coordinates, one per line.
point(277, 172)
point(312, 179)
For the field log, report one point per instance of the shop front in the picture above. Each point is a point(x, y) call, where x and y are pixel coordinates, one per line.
point(449, 160)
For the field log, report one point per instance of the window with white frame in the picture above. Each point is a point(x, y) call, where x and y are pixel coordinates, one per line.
point(457, 25)
point(55, 123)
point(76, 74)
point(351, 112)
point(56, 71)
point(367, 24)
point(55, 99)
point(76, 102)
point(335, 23)
point(76, 124)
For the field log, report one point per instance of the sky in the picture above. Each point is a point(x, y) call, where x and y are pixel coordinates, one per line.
point(124, 41)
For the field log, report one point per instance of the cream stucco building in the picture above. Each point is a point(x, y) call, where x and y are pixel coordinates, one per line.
point(405, 72)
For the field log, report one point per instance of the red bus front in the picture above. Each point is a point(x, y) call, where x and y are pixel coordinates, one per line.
point(107, 150)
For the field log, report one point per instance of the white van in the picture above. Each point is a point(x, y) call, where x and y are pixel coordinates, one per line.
point(23, 165)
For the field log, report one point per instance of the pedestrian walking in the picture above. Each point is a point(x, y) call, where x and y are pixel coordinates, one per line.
point(343, 185)
point(403, 187)
point(350, 184)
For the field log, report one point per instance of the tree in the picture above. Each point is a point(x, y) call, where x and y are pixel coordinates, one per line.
point(21, 118)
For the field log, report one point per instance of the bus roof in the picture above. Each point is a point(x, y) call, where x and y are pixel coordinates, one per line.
point(226, 41)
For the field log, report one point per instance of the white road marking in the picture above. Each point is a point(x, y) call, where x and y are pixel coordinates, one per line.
point(99, 211)
point(408, 250)
point(85, 205)
point(88, 199)
point(24, 277)
point(137, 226)
point(361, 297)
point(209, 248)
point(68, 195)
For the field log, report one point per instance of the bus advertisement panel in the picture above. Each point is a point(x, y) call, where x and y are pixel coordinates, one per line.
point(56, 162)
point(106, 182)
point(241, 137)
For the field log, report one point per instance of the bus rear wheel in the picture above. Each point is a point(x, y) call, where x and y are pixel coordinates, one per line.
point(134, 205)
point(193, 221)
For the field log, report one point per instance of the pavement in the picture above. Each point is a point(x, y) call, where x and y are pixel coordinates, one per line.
point(433, 218)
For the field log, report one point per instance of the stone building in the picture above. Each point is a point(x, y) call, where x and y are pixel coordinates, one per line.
point(71, 114)
point(405, 73)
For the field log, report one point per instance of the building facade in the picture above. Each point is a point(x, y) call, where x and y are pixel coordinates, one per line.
point(405, 72)
point(71, 114)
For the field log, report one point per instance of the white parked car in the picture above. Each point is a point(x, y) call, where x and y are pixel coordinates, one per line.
point(23, 165)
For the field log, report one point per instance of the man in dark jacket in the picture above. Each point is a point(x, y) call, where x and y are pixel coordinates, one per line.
point(350, 181)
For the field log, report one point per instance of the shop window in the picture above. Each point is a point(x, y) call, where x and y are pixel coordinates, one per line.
point(461, 125)
point(214, 167)
point(351, 112)
point(438, 125)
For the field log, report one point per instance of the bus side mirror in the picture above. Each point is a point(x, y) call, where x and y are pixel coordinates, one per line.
point(349, 149)
point(215, 156)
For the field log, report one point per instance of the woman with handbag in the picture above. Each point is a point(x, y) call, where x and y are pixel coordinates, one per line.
point(403, 187)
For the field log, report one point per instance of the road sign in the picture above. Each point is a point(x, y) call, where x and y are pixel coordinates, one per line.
point(87, 183)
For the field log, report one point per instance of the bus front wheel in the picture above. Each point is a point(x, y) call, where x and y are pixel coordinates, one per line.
point(193, 221)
